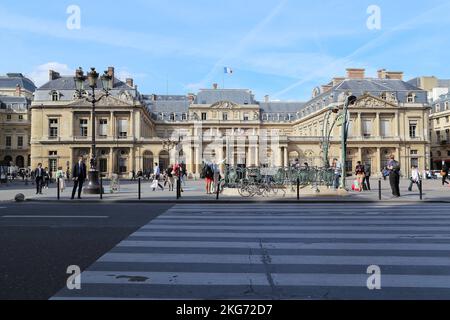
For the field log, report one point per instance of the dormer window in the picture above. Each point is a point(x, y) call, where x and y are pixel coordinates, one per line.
point(383, 96)
point(184, 117)
point(55, 96)
point(172, 117)
point(411, 98)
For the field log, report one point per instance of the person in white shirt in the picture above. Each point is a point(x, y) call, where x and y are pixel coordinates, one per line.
point(157, 176)
point(415, 178)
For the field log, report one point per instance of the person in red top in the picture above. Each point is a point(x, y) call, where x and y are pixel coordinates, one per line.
point(177, 171)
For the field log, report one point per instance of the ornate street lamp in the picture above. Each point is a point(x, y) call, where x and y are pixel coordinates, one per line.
point(327, 130)
point(92, 78)
point(349, 101)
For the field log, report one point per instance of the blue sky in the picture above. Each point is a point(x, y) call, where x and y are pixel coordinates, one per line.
point(283, 48)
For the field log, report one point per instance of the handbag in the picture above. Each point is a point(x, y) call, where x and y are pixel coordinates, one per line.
point(356, 186)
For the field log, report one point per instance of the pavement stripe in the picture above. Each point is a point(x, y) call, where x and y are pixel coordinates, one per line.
point(340, 280)
point(295, 228)
point(243, 235)
point(257, 218)
point(275, 259)
point(287, 246)
point(167, 278)
point(233, 279)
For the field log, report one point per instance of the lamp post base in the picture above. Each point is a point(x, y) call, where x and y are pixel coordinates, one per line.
point(94, 184)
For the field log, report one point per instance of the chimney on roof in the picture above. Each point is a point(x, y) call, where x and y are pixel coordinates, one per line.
point(266, 98)
point(130, 82)
point(326, 88)
point(112, 75)
point(18, 90)
point(395, 75)
point(53, 75)
point(337, 81)
point(353, 73)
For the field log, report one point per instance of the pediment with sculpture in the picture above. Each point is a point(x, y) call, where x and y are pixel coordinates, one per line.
point(123, 100)
point(369, 101)
point(225, 105)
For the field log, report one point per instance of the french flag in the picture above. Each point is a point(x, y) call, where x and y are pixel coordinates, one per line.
point(228, 70)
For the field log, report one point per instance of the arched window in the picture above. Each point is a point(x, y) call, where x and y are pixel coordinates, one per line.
point(55, 96)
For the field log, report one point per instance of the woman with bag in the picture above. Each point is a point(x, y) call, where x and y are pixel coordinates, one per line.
point(62, 179)
point(360, 175)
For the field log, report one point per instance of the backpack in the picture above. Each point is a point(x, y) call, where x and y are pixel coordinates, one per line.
point(203, 173)
point(209, 172)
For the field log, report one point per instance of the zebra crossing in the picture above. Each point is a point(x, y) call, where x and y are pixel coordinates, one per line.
point(273, 251)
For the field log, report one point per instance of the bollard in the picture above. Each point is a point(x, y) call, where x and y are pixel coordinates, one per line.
point(218, 191)
point(101, 188)
point(139, 188)
point(421, 190)
point(178, 189)
point(298, 188)
point(379, 189)
point(58, 192)
point(179, 182)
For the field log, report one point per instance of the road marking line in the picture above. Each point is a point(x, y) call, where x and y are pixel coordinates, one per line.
point(55, 217)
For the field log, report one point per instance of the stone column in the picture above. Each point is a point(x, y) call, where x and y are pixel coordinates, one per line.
point(111, 161)
point(286, 157)
point(378, 159)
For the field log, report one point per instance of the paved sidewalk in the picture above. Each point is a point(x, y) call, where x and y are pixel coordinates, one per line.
point(194, 191)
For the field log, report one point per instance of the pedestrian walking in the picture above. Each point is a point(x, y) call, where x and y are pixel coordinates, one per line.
point(394, 176)
point(360, 175)
point(367, 175)
point(156, 178)
point(444, 174)
point(170, 178)
point(415, 178)
point(46, 178)
point(337, 167)
point(39, 178)
point(79, 175)
point(61, 177)
point(208, 174)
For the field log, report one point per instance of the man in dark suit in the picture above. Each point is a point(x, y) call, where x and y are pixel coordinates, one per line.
point(39, 174)
point(79, 174)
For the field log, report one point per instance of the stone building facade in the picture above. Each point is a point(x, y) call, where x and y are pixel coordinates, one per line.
point(390, 117)
point(16, 94)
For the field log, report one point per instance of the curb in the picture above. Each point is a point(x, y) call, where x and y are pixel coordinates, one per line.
point(306, 201)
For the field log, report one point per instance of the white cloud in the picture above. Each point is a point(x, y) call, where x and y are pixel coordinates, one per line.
point(40, 73)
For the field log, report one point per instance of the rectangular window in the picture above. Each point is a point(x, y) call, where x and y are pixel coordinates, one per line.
point(103, 128)
point(20, 117)
point(83, 128)
point(103, 165)
point(414, 152)
point(184, 117)
point(123, 165)
point(53, 128)
point(20, 142)
point(246, 117)
point(53, 165)
point(438, 136)
point(385, 128)
point(204, 116)
point(367, 128)
point(8, 141)
point(438, 121)
point(8, 117)
point(413, 129)
point(122, 125)
point(225, 116)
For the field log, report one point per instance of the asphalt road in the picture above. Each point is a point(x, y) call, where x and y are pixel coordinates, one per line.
point(225, 251)
point(39, 241)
